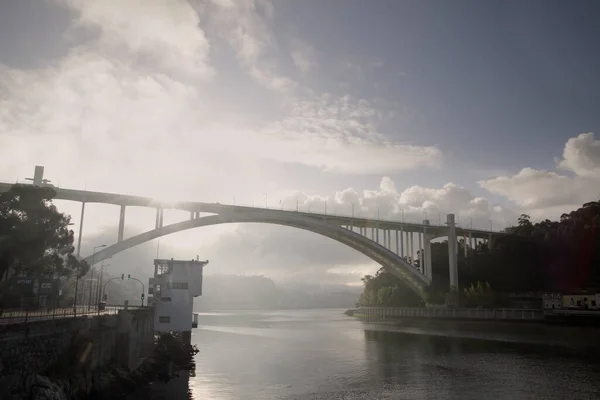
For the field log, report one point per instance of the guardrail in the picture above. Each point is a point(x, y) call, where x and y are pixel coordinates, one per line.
point(19, 316)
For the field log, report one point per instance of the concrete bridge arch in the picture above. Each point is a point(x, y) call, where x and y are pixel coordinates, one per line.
point(392, 262)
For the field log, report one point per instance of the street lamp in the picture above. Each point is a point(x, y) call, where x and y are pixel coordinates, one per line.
point(98, 291)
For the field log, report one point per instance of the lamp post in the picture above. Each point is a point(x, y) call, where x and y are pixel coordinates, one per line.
point(98, 291)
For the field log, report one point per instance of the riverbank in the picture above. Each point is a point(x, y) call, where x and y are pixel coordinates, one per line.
point(505, 314)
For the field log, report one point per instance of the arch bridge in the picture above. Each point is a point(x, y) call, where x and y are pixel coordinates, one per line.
point(392, 244)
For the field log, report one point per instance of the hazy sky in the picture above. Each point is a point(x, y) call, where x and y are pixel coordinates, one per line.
point(485, 109)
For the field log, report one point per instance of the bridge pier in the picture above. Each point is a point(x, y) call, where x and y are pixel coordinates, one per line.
point(421, 252)
point(411, 247)
point(427, 249)
point(80, 229)
point(121, 225)
point(452, 251)
point(401, 254)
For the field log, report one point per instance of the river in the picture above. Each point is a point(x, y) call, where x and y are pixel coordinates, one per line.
point(323, 354)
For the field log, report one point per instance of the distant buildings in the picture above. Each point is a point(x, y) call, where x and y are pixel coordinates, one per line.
point(571, 301)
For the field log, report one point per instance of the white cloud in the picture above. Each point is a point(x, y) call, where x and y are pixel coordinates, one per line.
point(131, 110)
point(161, 34)
point(582, 156)
point(547, 194)
point(114, 117)
point(414, 204)
point(339, 134)
point(243, 24)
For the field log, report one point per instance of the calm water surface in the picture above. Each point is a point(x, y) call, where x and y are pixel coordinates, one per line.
point(322, 354)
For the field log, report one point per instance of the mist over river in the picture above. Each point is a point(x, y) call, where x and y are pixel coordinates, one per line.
point(323, 354)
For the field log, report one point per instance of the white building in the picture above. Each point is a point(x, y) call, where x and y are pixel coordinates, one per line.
point(172, 292)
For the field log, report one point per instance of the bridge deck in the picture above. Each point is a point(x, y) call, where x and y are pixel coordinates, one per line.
point(217, 208)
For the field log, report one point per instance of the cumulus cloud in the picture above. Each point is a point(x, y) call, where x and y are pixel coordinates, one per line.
point(413, 204)
point(547, 194)
point(582, 156)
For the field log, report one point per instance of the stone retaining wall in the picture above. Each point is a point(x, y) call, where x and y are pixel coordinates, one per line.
point(82, 345)
point(506, 314)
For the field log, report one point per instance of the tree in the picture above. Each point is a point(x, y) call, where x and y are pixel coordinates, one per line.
point(35, 239)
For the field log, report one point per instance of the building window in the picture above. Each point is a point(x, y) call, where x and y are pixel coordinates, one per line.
point(164, 319)
point(178, 285)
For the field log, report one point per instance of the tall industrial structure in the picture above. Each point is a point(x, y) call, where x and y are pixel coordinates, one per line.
point(172, 290)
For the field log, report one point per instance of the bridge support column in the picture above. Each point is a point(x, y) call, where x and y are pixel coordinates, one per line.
point(401, 241)
point(490, 241)
point(465, 244)
point(411, 247)
point(80, 229)
point(471, 242)
point(427, 249)
point(389, 239)
point(452, 251)
point(121, 225)
point(377, 233)
point(192, 215)
point(159, 218)
point(421, 252)
point(397, 244)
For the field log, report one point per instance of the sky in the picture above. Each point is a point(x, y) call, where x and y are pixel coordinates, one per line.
point(486, 110)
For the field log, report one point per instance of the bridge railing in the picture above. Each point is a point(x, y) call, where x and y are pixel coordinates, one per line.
point(438, 221)
point(20, 316)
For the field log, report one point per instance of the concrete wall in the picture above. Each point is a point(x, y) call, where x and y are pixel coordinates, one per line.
point(90, 342)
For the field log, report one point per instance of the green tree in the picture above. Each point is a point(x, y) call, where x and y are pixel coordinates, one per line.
point(35, 239)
